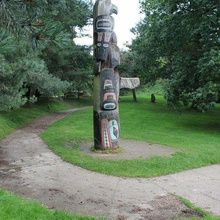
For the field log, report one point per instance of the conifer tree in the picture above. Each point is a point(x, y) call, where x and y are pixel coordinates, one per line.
point(28, 29)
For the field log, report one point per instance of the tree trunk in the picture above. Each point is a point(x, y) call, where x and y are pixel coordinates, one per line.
point(134, 95)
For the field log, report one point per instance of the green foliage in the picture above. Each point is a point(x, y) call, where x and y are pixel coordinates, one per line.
point(41, 21)
point(196, 135)
point(179, 41)
point(126, 67)
point(11, 80)
point(72, 63)
point(29, 71)
point(16, 208)
point(6, 42)
point(38, 77)
point(47, 26)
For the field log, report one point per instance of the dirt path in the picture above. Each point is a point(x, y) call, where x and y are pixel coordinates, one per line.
point(30, 169)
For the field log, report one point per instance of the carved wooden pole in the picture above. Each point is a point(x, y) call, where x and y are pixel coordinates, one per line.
point(106, 76)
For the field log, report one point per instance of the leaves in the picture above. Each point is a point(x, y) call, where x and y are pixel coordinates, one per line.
point(179, 41)
point(40, 20)
point(11, 81)
point(35, 35)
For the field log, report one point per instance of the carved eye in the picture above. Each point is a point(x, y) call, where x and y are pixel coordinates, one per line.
point(99, 44)
point(105, 45)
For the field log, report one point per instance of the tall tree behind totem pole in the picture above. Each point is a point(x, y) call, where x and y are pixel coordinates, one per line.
point(106, 76)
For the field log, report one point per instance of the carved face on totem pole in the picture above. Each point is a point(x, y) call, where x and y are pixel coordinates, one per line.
point(106, 77)
point(103, 32)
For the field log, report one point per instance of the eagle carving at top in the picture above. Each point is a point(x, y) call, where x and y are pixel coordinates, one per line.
point(104, 7)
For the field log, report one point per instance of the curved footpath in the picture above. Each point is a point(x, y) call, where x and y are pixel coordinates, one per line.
point(30, 169)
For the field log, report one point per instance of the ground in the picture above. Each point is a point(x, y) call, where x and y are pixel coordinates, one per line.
point(129, 149)
point(30, 169)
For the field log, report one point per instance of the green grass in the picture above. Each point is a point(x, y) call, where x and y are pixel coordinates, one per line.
point(11, 120)
point(204, 215)
point(15, 208)
point(207, 217)
point(195, 134)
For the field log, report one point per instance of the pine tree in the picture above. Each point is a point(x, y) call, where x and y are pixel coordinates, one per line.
point(28, 29)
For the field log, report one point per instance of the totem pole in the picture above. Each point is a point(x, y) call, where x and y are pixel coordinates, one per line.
point(106, 77)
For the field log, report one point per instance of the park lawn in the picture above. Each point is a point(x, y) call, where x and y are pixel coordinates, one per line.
point(196, 135)
point(11, 120)
point(13, 207)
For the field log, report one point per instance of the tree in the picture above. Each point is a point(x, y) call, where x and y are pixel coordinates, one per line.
point(10, 85)
point(23, 72)
point(44, 21)
point(28, 30)
point(71, 63)
point(179, 41)
point(126, 67)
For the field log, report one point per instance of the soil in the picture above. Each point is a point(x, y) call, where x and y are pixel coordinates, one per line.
point(28, 168)
point(129, 149)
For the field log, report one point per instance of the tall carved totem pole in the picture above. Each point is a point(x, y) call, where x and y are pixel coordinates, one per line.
point(106, 76)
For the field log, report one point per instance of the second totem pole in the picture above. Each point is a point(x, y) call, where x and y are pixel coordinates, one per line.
point(106, 77)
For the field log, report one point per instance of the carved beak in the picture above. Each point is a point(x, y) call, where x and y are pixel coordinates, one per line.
point(114, 9)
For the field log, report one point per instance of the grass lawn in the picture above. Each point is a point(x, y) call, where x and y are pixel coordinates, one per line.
point(194, 133)
point(11, 120)
point(190, 131)
point(15, 208)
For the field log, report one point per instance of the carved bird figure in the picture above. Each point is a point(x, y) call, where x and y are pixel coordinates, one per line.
point(104, 7)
